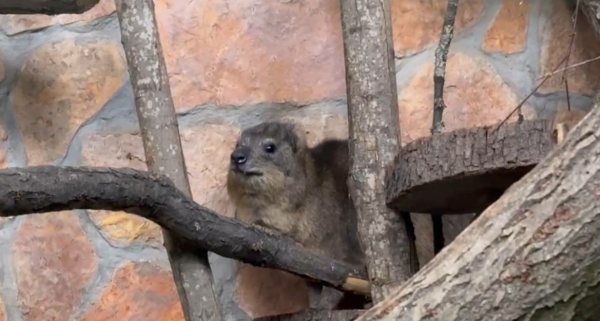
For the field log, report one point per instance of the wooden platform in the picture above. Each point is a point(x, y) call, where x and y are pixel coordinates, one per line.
point(466, 170)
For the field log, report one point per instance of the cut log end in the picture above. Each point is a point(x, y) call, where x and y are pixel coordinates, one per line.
point(465, 171)
point(47, 7)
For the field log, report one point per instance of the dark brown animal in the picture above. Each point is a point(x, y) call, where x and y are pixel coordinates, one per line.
point(276, 181)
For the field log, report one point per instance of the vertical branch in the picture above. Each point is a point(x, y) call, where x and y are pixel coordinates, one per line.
point(162, 147)
point(439, 73)
point(374, 132)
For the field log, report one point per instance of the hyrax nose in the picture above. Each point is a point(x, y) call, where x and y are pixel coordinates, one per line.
point(239, 156)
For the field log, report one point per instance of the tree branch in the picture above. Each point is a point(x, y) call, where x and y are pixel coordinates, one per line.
point(374, 130)
point(439, 73)
point(162, 147)
point(532, 255)
point(47, 7)
point(44, 189)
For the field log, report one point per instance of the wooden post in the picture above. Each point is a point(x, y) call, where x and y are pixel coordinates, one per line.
point(162, 147)
point(374, 131)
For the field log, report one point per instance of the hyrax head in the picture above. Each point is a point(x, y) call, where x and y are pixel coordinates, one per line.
point(266, 159)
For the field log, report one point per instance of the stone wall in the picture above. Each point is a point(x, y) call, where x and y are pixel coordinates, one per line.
point(65, 98)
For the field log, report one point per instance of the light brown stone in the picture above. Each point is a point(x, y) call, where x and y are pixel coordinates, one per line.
point(417, 24)
point(263, 292)
point(13, 24)
point(61, 85)
point(54, 263)
point(508, 33)
point(138, 291)
point(556, 37)
point(319, 126)
point(474, 93)
point(2, 313)
point(244, 52)
point(424, 237)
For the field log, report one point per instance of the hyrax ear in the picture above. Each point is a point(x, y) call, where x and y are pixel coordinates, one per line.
point(298, 138)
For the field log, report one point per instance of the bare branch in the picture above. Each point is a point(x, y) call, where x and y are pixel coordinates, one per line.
point(44, 189)
point(439, 74)
point(162, 147)
point(374, 130)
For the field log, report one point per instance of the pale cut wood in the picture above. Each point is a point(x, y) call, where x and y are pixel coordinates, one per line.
point(532, 255)
point(162, 148)
point(47, 7)
point(374, 131)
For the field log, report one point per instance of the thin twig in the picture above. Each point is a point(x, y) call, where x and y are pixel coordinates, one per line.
point(441, 55)
point(573, 35)
point(530, 94)
point(570, 67)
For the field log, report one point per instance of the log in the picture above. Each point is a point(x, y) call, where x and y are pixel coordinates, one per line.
point(466, 170)
point(43, 189)
point(47, 7)
point(532, 255)
point(339, 315)
point(374, 131)
point(162, 147)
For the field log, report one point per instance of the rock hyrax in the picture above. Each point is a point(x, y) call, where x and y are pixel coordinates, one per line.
point(275, 180)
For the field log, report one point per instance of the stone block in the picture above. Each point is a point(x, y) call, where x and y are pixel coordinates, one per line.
point(245, 52)
point(138, 291)
point(61, 85)
point(508, 33)
point(54, 263)
point(418, 24)
point(474, 93)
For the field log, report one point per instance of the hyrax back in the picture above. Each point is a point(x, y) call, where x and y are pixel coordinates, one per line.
point(276, 181)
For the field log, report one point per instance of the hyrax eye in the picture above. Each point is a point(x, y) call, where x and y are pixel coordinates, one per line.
point(270, 148)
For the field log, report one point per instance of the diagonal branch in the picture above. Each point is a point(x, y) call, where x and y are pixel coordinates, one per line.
point(44, 189)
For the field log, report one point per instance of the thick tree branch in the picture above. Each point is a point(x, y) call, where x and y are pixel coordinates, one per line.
point(47, 188)
point(439, 73)
point(162, 147)
point(48, 7)
point(532, 255)
point(374, 131)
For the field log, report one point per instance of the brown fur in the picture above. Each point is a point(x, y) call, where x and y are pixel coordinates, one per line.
point(563, 122)
point(298, 191)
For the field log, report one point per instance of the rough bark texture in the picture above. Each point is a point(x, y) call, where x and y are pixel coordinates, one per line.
point(48, 7)
point(47, 189)
point(591, 10)
point(374, 139)
point(437, 174)
point(162, 147)
point(533, 255)
point(340, 315)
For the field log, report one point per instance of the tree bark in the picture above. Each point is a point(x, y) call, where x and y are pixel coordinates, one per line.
point(47, 7)
point(45, 189)
point(162, 147)
point(532, 255)
point(339, 315)
point(374, 131)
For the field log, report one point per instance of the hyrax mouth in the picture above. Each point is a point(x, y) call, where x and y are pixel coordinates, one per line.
point(247, 173)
